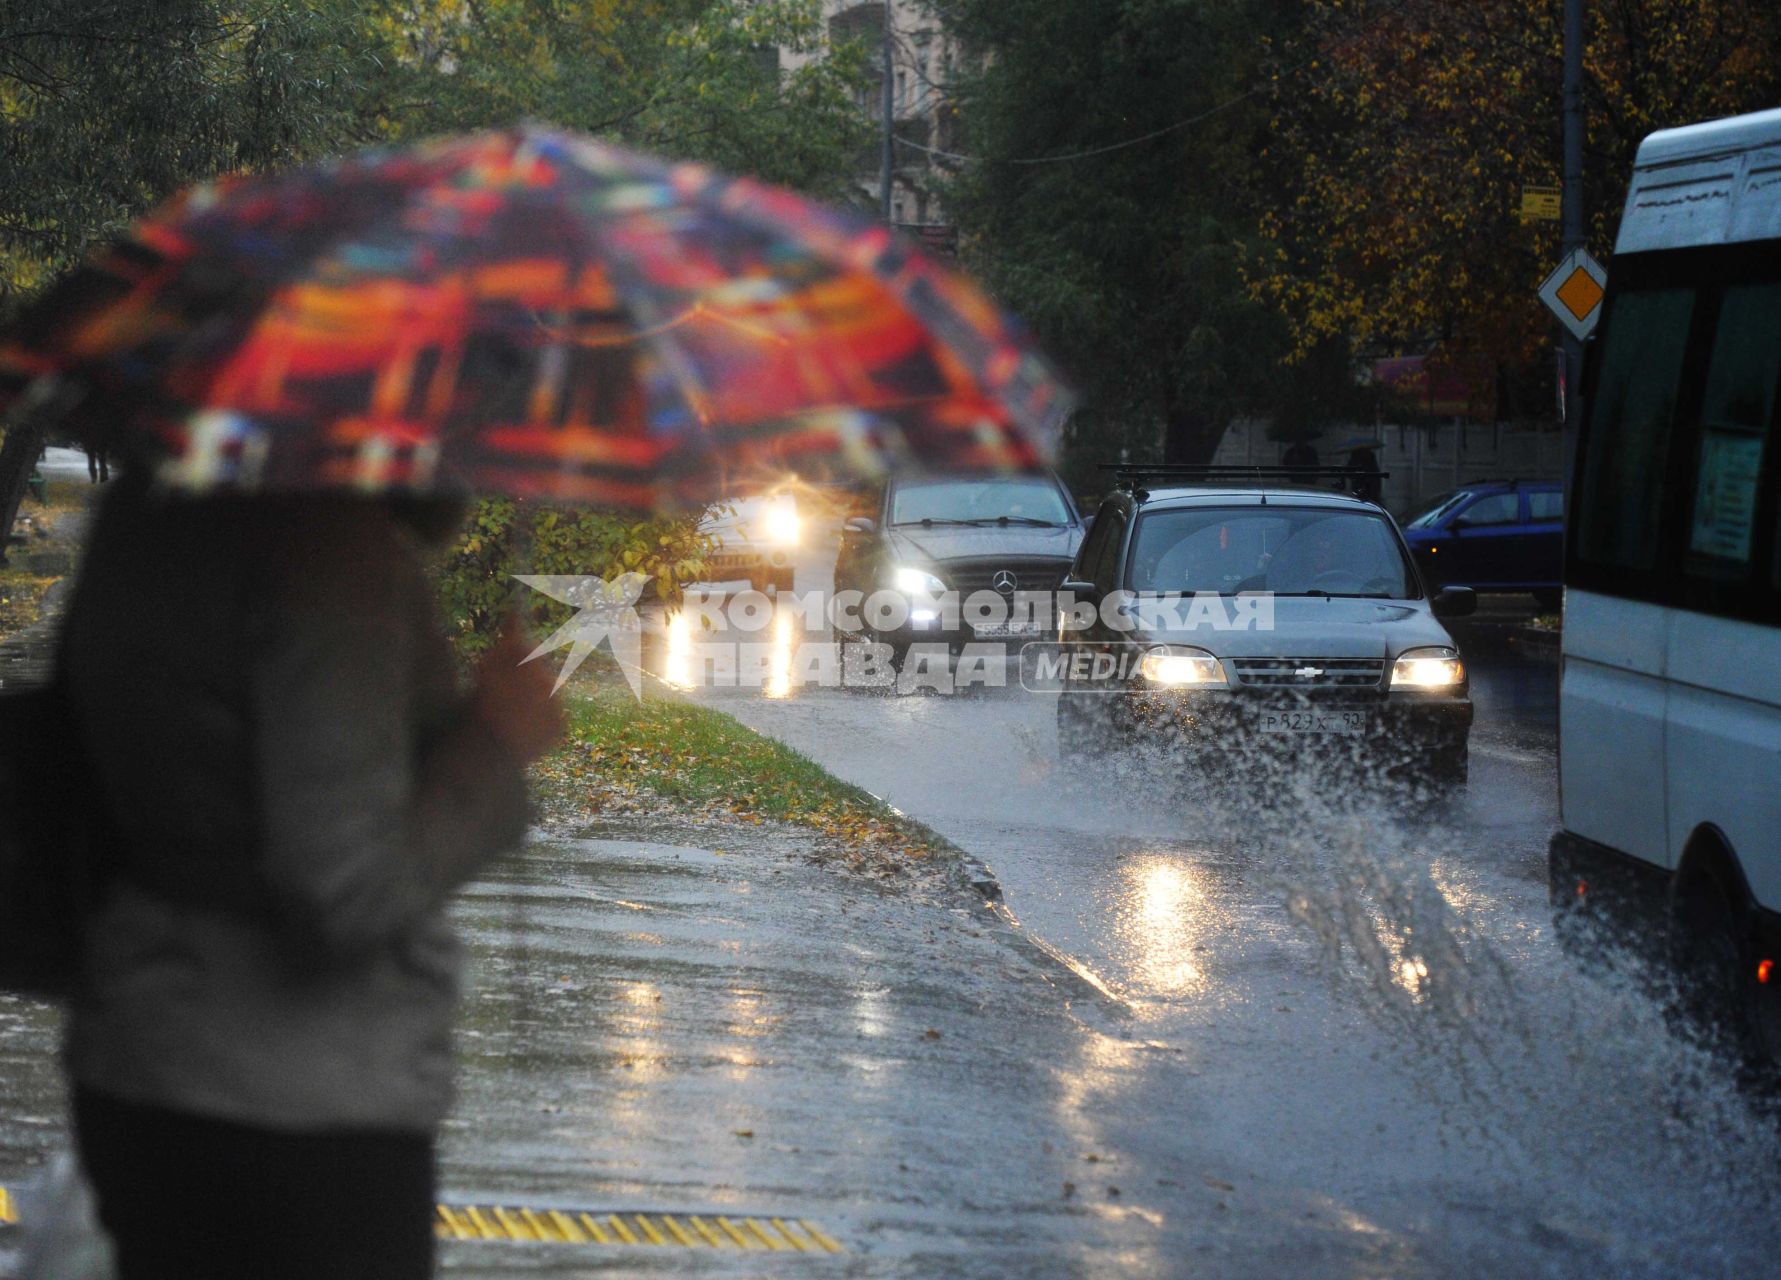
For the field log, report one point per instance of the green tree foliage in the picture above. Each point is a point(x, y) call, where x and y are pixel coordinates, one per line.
point(107, 106)
point(698, 79)
point(1128, 262)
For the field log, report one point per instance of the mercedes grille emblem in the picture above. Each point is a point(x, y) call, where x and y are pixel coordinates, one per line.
point(1004, 582)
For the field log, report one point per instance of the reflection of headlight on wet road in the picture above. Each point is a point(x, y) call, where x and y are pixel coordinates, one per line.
point(782, 525)
point(1436, 667)
point(1181, 668)
point(676, 665)
point(779, 662)
point(917, 582)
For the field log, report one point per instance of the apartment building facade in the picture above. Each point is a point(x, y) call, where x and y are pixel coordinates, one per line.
point(923, 118)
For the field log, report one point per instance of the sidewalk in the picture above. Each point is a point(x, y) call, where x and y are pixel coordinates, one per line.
point(662, 1028)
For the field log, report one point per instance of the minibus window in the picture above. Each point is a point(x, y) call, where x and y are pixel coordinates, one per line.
point(1629, 433)
point(1736, 409)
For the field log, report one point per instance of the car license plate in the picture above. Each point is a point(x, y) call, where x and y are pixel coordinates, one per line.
point(1006, 633)
point(1309, 720)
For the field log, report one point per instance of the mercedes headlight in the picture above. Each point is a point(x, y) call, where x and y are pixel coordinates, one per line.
point(1436, 667)
point(917, 582)
point(1181, 668)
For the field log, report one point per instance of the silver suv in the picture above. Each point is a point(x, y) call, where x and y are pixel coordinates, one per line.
point(1247, 610)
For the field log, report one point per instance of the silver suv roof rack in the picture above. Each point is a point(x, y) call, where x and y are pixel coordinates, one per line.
point(1131, 476)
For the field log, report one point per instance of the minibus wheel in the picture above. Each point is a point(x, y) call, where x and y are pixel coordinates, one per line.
point(1714, 968)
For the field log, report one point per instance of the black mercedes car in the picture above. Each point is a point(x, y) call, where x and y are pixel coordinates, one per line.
point(932, 543)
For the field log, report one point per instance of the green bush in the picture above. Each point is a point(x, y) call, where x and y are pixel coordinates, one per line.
point(506, 536)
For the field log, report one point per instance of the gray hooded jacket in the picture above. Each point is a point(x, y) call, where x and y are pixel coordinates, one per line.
point(296, 785)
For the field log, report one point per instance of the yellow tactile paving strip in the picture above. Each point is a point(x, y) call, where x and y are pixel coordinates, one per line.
point(659, 1230)
point(574, 1226)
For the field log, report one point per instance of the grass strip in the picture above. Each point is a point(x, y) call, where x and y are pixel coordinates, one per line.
point(702, 761)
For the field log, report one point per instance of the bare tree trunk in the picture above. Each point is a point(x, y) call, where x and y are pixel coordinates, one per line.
point(18, 457)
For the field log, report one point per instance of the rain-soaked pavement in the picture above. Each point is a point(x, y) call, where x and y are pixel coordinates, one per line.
point(1333, 1035)
point(1347, 1041)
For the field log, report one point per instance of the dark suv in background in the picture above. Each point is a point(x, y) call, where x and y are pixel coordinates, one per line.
point(930, 535)
point(1494, 535)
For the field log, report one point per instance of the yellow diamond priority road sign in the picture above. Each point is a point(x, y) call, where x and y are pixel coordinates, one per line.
point(1574, 292)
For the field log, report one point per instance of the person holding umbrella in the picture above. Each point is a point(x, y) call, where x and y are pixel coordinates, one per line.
point(305, 372)
point(296, 785)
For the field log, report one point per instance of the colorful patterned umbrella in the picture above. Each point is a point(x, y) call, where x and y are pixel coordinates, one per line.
point(528, 312)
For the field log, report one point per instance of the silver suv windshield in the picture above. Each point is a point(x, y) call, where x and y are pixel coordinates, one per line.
point(1286, 550)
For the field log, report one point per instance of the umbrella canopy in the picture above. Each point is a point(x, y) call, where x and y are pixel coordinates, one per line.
point(529, 312)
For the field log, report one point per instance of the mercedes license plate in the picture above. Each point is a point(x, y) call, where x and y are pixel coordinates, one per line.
point(1313, 720)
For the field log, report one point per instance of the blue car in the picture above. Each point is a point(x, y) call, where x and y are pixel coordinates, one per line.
point(1494, 535)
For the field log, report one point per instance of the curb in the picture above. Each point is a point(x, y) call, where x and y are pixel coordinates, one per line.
point(979, 877)
point(1071, 976)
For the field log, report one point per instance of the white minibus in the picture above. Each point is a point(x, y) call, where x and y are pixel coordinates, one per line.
point(1670, 684)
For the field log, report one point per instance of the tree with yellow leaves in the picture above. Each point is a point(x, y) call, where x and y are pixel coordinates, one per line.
point(1405, 131)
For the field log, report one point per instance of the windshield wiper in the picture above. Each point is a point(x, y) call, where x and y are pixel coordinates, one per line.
point(1341, 595)
point(977, 522)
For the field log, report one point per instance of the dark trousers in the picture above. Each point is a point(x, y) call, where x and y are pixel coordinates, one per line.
point(190, 1198)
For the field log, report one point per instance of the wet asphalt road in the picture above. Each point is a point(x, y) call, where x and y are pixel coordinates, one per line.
point(1331, 1004)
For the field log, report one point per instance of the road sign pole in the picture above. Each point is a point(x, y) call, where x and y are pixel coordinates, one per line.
point(1574, 238)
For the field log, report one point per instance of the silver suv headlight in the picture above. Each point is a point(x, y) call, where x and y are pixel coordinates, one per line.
point(1432, 667)
point(1181, 668)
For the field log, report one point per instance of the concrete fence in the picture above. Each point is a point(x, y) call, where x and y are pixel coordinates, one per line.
point(1423, 461)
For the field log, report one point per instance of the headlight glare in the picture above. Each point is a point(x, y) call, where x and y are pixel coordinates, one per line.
point(1181, 668)
point(1432, 668)
point(917, 582)
point(782, 525)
